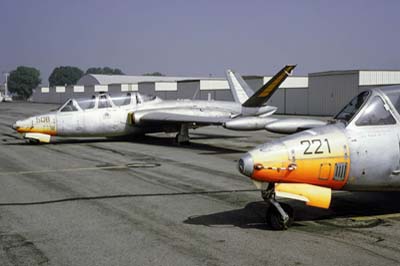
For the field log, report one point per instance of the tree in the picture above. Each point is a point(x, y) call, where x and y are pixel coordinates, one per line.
point(104, 71)
point(65, 75)
point(153, 74)
point(23, 80)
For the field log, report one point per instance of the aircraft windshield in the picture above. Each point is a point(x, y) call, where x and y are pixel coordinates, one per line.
point(395, 99)
point(122, 100)
point(69, 106)
point(351, 109)
point(148, 98)
point(375, 113)
point(104, 102)
point(87, 103)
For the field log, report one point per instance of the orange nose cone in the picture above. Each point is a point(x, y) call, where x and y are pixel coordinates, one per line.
point(270, 162)
point(45, 124)
point(318, 159)
point(22, 126)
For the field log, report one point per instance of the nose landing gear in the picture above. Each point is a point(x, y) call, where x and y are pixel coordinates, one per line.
point(182, 137)
point(279, 216)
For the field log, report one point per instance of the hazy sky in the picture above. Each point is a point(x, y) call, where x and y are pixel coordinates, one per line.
point(200, 37)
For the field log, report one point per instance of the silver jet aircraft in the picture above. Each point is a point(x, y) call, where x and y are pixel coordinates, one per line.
point(357, 151)
point(134, 113)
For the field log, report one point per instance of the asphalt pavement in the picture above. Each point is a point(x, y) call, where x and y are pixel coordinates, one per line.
point(148, 201)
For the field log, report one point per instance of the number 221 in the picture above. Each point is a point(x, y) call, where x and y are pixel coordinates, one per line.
point(315, 149)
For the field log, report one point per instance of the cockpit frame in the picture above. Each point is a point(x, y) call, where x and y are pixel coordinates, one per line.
point(376, 98)
point(104, 101)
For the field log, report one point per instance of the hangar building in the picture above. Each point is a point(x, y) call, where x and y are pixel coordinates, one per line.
point(329, 91)
point(321, 93)
point(169, 88)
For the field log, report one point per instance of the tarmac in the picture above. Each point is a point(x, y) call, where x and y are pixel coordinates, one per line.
point(148, 201)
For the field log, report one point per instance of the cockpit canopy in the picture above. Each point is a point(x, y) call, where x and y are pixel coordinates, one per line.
point(352, 108)
point(370, 108)
point(104, 100)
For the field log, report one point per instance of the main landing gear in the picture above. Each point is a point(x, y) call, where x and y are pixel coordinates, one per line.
point(279, 215)
point(32, 141)
point(182, 137)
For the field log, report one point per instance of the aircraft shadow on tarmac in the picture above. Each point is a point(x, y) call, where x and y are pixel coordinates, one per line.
point(344, 205)
point(148, 140)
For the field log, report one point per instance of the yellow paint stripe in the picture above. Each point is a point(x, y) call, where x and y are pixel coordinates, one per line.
point(275, 82)
point(271, 86)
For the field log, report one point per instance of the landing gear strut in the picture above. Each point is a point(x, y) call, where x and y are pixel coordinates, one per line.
point(183, 135)
point(279, 215)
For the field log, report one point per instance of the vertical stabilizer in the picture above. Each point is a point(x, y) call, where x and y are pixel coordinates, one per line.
point(261, 96)
point(239, 88)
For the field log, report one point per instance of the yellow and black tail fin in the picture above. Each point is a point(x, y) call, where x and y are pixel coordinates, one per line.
point(266, 91)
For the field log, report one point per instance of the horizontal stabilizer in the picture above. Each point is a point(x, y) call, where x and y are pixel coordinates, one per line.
point(266, 91)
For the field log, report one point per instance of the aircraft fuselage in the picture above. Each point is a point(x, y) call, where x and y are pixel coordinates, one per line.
point(114, 120)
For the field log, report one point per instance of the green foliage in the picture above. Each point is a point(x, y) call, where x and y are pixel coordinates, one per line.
point(153, 74)
point(104, 71)
point(23, 80)
point(65, 75)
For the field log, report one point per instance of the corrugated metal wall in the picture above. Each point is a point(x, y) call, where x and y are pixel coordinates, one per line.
point(296, 101)
point(114, 89)
point(187, 90)
point(254, 83)
point(184, 90)
point(223, 95)
point(371, 78)
point(168, 95)
point(147, 88)
point(204, 95)
point(328, 93)
point(278, 100)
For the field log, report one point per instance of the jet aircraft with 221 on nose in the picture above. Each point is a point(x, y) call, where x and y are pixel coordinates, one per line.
point(357, 151)
point(134, 114)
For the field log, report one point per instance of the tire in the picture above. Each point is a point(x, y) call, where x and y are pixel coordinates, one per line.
point(181, 142)
point(275, 220)
point(33, 141)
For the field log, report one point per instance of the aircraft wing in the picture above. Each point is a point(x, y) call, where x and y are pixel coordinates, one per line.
point(178, 116)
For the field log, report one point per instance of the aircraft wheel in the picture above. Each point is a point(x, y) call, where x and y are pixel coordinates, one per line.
point(32, 141)
point(179, 139)
point(275, 219)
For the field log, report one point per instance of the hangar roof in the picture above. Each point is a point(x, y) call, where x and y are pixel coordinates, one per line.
point(92, 79)
point(367, 77)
